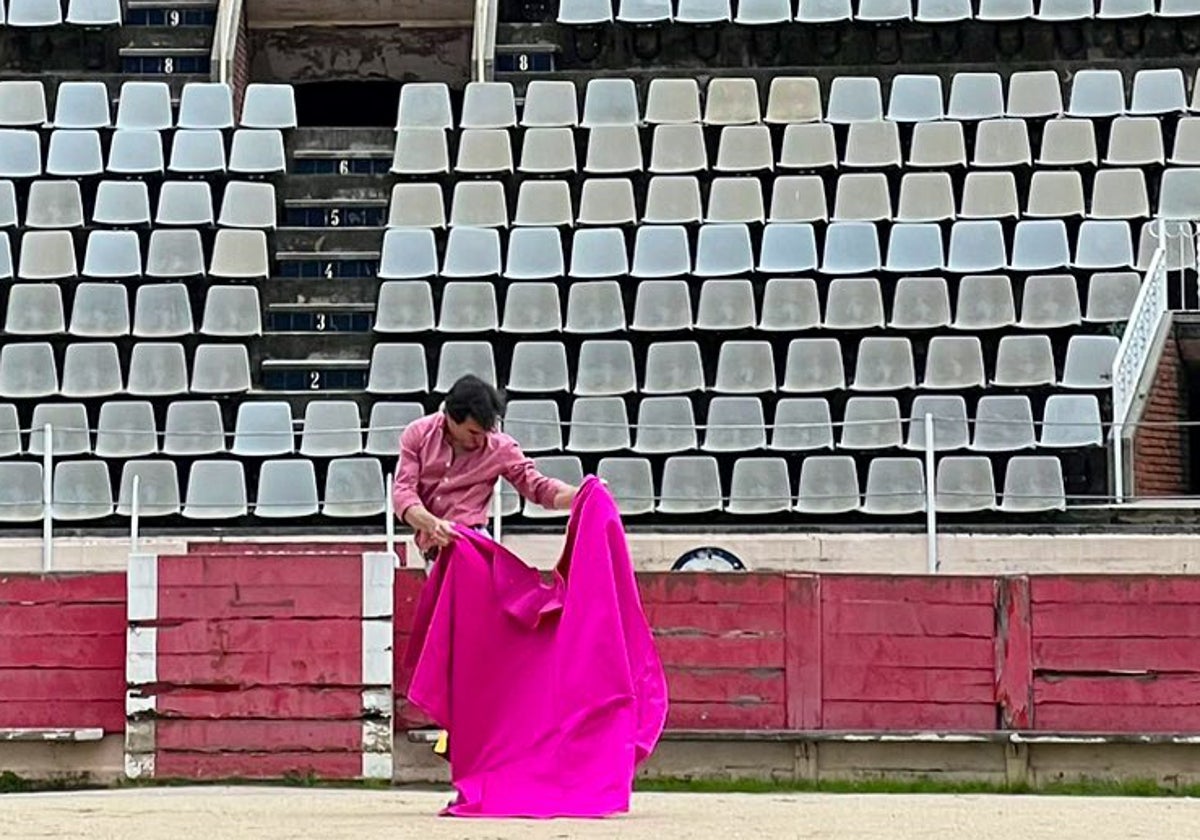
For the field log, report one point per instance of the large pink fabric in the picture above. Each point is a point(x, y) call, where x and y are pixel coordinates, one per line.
point(552, 692)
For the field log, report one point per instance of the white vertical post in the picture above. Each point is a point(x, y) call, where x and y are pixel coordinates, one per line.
point(389, 527)
point(134, 510)
point(47, 492)
point(1118, 450)
point(931, 546)
point(497, 513)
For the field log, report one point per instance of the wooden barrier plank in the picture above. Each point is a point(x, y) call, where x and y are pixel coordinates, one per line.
point(845, 714)
point(922, 589)
point(247, 669)
point(1132, 619)
point(909, 618)
point(717, 618)
point(720, 651)
point(1115, 589)
point(38, 684)
point(1115, 654)
point(259, 736)
point(710, 588)
point(62, 619)
point(295, 637)
point(805, 618)
point(1120, 689)
point(907, 652)
point(1014, 654)
point(229, 601)
point(725, 685)
point(1070, 717)
point(172, 764)
point(283, 570)
point(273, 702)
point(55, 712)
point(52, 651)
point(685, 715)
point(107, 588)
point(908, 685)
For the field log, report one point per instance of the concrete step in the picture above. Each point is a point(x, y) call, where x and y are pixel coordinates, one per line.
point(166, 38)
point(316, 189)
point(360, 292)
point(328, 240)
point(343, 142)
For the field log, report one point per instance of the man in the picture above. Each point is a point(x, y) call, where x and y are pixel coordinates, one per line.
point(449, 463)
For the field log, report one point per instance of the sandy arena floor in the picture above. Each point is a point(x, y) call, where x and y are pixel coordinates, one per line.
point(266, 814)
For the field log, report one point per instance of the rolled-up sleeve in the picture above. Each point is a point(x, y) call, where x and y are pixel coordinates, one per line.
point(523, 475)
point(408, 469)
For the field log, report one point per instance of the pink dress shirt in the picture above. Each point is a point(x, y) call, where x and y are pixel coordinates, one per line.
point(459, 489)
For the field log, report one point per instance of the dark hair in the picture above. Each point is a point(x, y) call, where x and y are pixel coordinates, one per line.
point(471, 397)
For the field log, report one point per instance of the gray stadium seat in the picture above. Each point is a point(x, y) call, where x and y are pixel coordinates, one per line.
point(985, 302)
point(884, 364)
point(232, 312)
point(1089, 361)
point(10, 437)
point(221, 369)
point(21, 497)
point(665, 424)
point(548, 151)
point(388, 420)
point(1158, 91)
point(74, 154)
point(398, 369)
point(263, 428)
point(94, 13)
point(1033, 484)
point(535, 424)
point(544, 203)
point(257, 151)
point(354, 488)
point(862, 198)
point(538, 367)
point(54, 204)
point(1097, 93)
point(613, 150)
point(1002, 143)
point(193, 427)
point(787, 248)
point(81, 490)
point(126, 430)
point(595, 307)
point(726, 305)
point(895, 487)
point(331, 428)
point(204, 105)
point(926, 197)
point(27, 370)
point(759, 486)
point(950, 428)
point(871, 423)
point(976, 96)
point(915, 248)
point(424, 105)
point(1068, 142)
point(673, 200)
point(472, 252)
point(794, 99)
point(534, 254)
point(162, 310)
point(287, 488)
point(240, 255)
point(47, 255)
point(814, 365)
point(8, 205)
point(1049, 301)
point(70, 432)
point(828, 485)
point(122, 204)
point(157, 491)
point(690, 484)
point(269, 106)
point(20, 153)
point(112, 254)
point(854, 304)
point(488, 105)
point(22, 103)
point(661, 251)
point(735, 424)
point(157, 370)
point(607, 201)
point(954, 363)
point(459, 358)
point(100, 310)
point(610, 101)
point(585, 12)
point(630, 482)
point(1071, 421)
point(673, 367)
point(672, 101)
point(82, 105)
point(550, 104)
point(408, 253)
point(136, 152)
point(808, 146)
point(91, 370)
point(850, 248)
point(1034, 94)
point(1024, 361)
point(731, 101)
point(854, 99)
point(1055, 195)
point(532, 308)
point(216, 490)
point(976, 246)
point(563, 467)
point(790, 303)
point(745, 367)
point(1111, 295)
point(802, 424)
point(920, 303)
point(1104, 245)
point(599, 424)
point(916, 98)
point(469, 306)
point(965, 484)
point(1120, 194)
point(799, 198)
point(248, 205)
point(145, 106)
point(1040, 245)
point(175, 253)
point(735, 200)
point(702, 12)
point(35, 309)
point(937, 145)
point(420, 151)
point(943, 11)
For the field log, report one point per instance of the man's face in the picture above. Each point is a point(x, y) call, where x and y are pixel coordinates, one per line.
point(467, 435)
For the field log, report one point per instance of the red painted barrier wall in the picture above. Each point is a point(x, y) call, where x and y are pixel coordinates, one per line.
point(240, 654)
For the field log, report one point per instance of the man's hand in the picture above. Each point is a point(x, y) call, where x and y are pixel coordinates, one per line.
point(441, 533)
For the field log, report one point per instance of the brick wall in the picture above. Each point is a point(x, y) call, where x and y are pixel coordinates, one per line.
point(1160, 452)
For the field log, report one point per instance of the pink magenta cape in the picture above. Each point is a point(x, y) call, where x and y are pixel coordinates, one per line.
point(552, 692)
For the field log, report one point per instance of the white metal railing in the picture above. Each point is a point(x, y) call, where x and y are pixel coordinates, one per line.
point(483, 40)
point(1134, 353)
point(225, 35)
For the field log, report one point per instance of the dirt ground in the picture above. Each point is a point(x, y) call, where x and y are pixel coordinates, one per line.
point(212, 813)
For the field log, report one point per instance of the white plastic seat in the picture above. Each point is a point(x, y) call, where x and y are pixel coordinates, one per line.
point(74, 154)
point(854, 99)
point(1033, 483)
point(420, 151)
point(787, 249)
point(269, 106)
point(81, 490)
point(1104, 245)
point(488, 105)
point(665, 424)
point(672, 101)
point(263, 428)
point(408, 253)
point(595, 307)
point(221, 369)
point(917, 98)
point(162, 310)
point(850, 248)
point(468, 306)
point(799, 198)
point(854, 304)
point(458, 358)
point(965, 484)
point(1034, 94)
point(943, 11)
point(126, 430)
point(1055, 195)
point(884, 11)
point(47, 255)
point(920, 303)
point(1002, 143)
point(690, 484)
point(548, 151)
point(145, 106)
point(872, 145)
point(1186, 150)
point(424, 105)
point(673, 200)
point(950, 428)
point(1024, 361)
point(175, 253)
point(1003, 424)
point(94, 13)
point(54, 204)
point(247, 204)
point(937, 145)
point(915, 248)
point(607, 201)
point(726, 305)
point(732, 101)
point(954, 363)
point(20, 153)
point(240, 255)
point(205, 105)
point(398, 369)
point(976, 246)
point(136, 152)
point(539, 367)
point(895, 487)
point(91, 370)
point(534, 424)
point(112, 254)
point(6, 260)
point(871, 423)
point(673, 367)
point(8, 205)
point(21, 494)
point(549, 104)
point(975, 96)
point(472, 252)
point(598, 252)
point(1050, 301)
point(610, 101)
point(1158, 91)
point(122, 204)
point(1111, 295)
point(585, 12)
point(613, 150)
point(354, 488)
point(534, 254)
point(1181, 250)
point(802, 424)
point(404, 307)
point(388, 420)
point(828, 485)
point(1089, 361)
point(287, 488)
point(22, 103)
point(759, 486)
point(1097, 93)
point(703, 12)
point(984, 302)
point(479, 204)
point(884, 364)
point(216, 490)
point(824, 11)
point(808, 146)
point(1068, 142)
point(1040, 245)
point(814, 365)
point(100, 310)
point(1120, 194)
point(193, 427)
point(661, 251)
point(1066, 10)
point(926, 197)
point(862, 198)
point(599, 424)
point(745, 367)
point(157, 369)
point(232, 312)
point(735, 424)
point(257, 151)
point(34, 309)
point(745, 148)
point(566, 468)
point(662, 306)
point(722, 250)
point(630, 483)
point(82, 105)
point(763, 12)
point(544, 204)
point(532, 307)
point(1071, 421)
